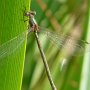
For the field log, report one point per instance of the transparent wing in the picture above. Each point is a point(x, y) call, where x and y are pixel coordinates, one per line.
point(67, 43)
point(11, 45)
point(62, 41)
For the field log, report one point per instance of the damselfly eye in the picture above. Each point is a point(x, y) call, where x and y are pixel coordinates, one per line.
point(27, 14)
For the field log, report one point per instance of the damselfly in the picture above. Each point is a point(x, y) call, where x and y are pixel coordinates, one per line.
point(60, 40)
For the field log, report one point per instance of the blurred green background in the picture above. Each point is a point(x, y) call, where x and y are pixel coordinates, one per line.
point(67, 17)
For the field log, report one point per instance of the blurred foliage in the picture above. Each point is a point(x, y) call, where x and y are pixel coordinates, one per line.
point(67, 17)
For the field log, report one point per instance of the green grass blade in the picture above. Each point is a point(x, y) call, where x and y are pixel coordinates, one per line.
point(85, 76)
point(11, 25)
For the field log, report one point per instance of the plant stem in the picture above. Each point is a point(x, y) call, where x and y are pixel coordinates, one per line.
point(45, 62)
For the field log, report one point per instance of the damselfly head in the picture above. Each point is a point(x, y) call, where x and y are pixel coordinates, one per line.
point(33, 12)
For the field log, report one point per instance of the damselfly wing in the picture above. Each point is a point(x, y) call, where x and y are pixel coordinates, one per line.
point(58, 39)
point(10, 46)
point(71, 44)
